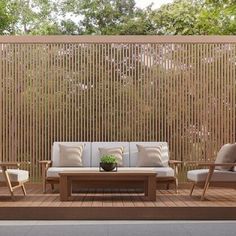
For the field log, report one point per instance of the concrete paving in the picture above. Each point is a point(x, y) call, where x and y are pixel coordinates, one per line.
point(117, 228)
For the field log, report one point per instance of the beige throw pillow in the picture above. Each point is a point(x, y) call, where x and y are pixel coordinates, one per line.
point(227, 154)
point(116, 151)
point(71, 155)
point(149, 156)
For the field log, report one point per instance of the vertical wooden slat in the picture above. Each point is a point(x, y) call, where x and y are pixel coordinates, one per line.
point(182, 93)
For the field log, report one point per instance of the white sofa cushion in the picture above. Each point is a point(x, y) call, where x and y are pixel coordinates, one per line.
point(53, 172)
point(15, 175)
point(149, 156)
point(86, 154)
point(200, 175)
point(96, 153)
point(134, 152)
point(117, 152)
point(71, 155)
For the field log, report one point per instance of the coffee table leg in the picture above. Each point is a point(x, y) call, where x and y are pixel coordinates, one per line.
point(65, 188)
point(151, 188)
point(145, 185)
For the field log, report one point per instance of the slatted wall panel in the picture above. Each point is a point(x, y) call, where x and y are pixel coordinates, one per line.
point(182, 93)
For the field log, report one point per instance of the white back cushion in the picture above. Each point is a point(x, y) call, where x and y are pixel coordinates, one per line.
point(134, 152)
point(96, 153)
point(86, 155)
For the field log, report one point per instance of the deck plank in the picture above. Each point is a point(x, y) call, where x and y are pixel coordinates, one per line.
point(222, 202)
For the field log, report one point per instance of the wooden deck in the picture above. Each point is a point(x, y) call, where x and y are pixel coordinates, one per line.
point(219, 204)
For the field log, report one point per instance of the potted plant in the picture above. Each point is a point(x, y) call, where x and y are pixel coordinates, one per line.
point(108, 163)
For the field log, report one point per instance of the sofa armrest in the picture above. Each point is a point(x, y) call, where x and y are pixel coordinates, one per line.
point(175, 164)
point(45, 164)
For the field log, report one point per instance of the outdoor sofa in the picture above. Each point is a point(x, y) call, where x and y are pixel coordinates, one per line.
point(167, 173)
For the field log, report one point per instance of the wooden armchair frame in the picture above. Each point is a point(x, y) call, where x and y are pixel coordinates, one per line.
point(11, 185)
point(45, 164)
point(205, 184)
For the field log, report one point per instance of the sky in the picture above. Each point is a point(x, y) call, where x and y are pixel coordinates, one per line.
point(157, 3)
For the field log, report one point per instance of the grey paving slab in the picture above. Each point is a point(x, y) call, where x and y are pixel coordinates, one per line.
point(117, 228)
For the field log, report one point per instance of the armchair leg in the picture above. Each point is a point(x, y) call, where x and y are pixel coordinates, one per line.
point(207, 183)
point(23, 189)
point(191, 191)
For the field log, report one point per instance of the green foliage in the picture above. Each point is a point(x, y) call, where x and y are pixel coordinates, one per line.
point(110, 159)
point(196, 17)
point(5, 17)
point(114, 17)
point(218, 17)
point(177, 18)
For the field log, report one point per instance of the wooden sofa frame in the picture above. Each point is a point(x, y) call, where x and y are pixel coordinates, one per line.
point(207, 183)
point(8, 183)
point(45, 164)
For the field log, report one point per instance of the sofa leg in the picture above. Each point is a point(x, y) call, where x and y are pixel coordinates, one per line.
point(176, 185)
point(167, 186)
point(191, 191)
point(52, 187)
point(44, 186)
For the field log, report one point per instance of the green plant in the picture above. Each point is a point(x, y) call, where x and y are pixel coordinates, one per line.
point(111, 159)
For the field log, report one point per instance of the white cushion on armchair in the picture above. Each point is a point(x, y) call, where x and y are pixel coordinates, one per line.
point(200, 175)
point(15, 175)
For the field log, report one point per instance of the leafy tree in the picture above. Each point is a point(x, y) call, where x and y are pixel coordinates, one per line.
point(5, 17)
point(196, 17)
point(34, 17)
point(217, 17)
point(109, 16)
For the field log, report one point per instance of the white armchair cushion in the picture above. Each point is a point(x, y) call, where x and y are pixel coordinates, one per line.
point(15, 175)
point(200, 175)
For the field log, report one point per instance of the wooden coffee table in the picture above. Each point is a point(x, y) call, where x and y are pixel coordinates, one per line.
point(145, 178)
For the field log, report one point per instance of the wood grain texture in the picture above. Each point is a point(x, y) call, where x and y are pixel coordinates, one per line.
point(220, 203)
point(116, 88)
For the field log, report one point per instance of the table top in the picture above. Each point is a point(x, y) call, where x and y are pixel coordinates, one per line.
point(105, 173)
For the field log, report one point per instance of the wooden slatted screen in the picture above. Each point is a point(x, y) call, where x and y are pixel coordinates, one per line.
point(175, 89)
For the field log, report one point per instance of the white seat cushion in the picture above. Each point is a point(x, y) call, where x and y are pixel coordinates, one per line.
point(200, 175)
point(15, 175)
point(53, 172)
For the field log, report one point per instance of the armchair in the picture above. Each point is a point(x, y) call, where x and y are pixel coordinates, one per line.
point(13, 178)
